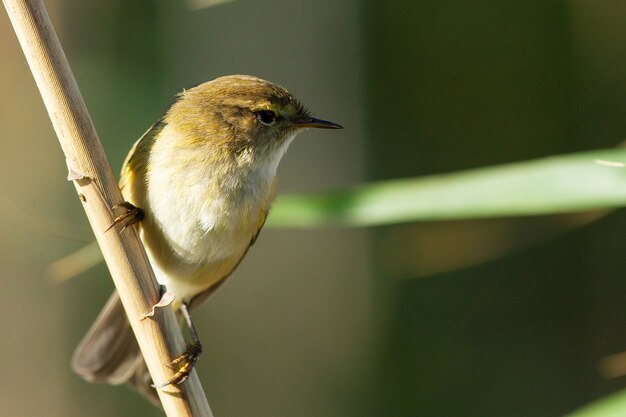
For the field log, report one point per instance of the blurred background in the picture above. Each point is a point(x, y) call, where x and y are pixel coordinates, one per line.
point(499, 317)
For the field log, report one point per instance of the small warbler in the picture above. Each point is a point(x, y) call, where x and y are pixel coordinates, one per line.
point(199, 183)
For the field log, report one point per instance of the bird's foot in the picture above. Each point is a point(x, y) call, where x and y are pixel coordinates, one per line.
point(130, 216)
point(183, 364)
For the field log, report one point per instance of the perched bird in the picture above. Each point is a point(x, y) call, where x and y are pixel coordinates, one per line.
point(201, 181)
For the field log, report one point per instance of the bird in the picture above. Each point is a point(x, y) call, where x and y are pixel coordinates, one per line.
point(198, 185)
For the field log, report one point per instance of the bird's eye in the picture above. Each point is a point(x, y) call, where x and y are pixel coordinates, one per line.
point(267, 117)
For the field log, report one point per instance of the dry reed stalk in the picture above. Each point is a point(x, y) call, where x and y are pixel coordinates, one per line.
point(159, 337)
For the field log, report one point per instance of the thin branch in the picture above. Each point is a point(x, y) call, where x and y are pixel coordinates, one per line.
point(159, 337)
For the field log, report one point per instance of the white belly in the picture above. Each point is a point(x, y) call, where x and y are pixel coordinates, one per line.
point(196, 233)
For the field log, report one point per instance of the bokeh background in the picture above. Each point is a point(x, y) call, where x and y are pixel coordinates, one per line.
point(501, 317)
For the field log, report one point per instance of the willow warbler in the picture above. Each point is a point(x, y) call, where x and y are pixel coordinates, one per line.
point(201, 181)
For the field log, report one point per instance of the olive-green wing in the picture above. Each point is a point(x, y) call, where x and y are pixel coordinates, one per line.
point(132, 177)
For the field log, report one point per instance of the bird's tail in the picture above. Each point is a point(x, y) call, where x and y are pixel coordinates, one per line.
point(109, 352)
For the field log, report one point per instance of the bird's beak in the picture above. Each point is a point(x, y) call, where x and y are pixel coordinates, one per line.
point(307, 121)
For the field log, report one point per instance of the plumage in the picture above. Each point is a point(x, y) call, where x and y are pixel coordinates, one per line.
point(204, 176)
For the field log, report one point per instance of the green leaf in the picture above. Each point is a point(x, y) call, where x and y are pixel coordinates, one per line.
point(204, 4)
point(612, 406)
point(558, 184)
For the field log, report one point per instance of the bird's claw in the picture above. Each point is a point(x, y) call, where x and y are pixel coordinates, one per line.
point(183, 365)
point(130, 216)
